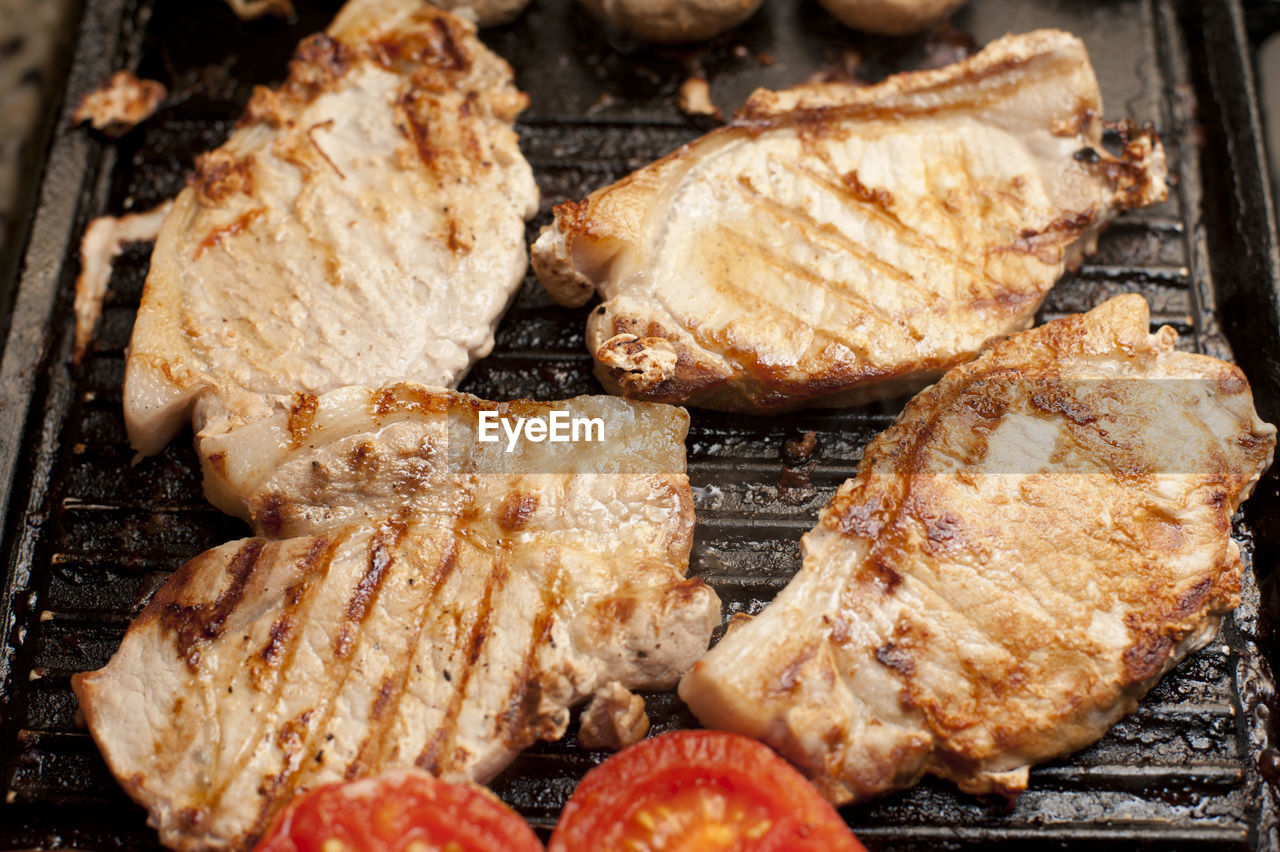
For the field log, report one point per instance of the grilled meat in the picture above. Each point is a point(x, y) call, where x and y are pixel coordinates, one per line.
point(613, 720)
point(361, 455)
point(103, 241)
point(121, 104)
point(363, 224)
point(837, 242)
point(1023, 553)
point(447, 629)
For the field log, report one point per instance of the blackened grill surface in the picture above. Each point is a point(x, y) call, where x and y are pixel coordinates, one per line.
point(88, 537)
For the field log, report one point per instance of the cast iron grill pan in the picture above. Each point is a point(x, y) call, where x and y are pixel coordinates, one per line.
point(89, 537)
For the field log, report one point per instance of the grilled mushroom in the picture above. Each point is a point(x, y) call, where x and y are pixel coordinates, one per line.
point(672, 21)
point(891, 17)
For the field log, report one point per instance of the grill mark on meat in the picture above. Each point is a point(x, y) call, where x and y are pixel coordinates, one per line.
point(279, 645)
point(373, 750)
point(897, 658)
point(220, 174)
point(316, 561)
point(387, 400)
point(280, 630)
point(1193, 600)
point(435, 757)
point(906, 234)
point(193, 820)
point(799, 270)
point(381, 558)
point(379, 710)
point(458, 241)
point(217, 235)
point(1046, 243)
point(516, 511)
point(319, 61)
point(281, 789)
point(291, 740)
point(198, 624)
point(451, 50)
point(522, 704)
point(436, 51)
point(820, 121)
point(1146, 657)
point(944, 532)
point(417, 131)
point(886, 574)
point(218, 462)
point(468, 154)
point(302, 415)
point(364, 458)
point(1057, 399)
point(854, 514)
point(269, 513)
point(812, 230)
point(383, 402)
point(760, 300)
point(380, 721)
point(880, 199)
point(473, 145)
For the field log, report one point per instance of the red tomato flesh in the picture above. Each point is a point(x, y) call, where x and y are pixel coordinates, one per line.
point(699, 791)
point(401, 811)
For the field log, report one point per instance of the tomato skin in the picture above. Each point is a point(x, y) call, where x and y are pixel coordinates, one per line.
point(387, 813)
point(729, 793)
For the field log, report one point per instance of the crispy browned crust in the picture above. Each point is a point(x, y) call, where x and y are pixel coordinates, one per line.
point(409, 601)
point(1036, 539)
point(124, 102)
point(396, 110)
point(1161, 609)
point(437, 55)
point(862, 344)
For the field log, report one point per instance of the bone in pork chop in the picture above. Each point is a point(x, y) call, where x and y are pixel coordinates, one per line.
point(1023, 553)
point(412, 599)
point(836, 243)
point(363, 224)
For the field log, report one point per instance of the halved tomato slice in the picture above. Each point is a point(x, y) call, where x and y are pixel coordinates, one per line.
point(401, 811)
point(699, 791)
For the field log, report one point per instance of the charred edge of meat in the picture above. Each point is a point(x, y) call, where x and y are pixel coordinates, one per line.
point(219, 174)
point(197, 624)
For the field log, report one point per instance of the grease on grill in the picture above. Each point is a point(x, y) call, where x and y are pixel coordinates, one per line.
point(795, 486)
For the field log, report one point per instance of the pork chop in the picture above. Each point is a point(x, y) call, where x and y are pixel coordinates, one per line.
point(836, 242)
point(363, 224)
point(1023, 553)
point(447, 622)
